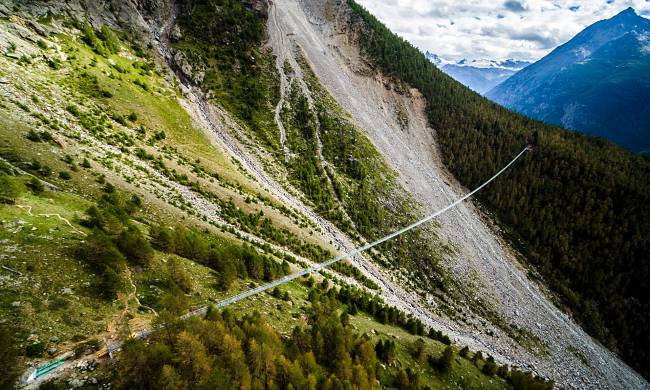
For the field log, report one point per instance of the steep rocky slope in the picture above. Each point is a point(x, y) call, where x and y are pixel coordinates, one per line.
point(481, 259)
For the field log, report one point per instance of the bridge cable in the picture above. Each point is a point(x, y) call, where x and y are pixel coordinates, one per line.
point(317, 267)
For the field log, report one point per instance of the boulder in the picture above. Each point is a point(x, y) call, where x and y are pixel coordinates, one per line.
point(38, 28)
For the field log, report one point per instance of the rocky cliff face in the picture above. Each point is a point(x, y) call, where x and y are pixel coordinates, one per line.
point(128, 15)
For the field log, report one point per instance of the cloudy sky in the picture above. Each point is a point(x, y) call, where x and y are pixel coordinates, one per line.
point(494, 29)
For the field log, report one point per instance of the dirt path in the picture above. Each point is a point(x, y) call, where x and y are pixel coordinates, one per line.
point(29, 212)
point(133, 295)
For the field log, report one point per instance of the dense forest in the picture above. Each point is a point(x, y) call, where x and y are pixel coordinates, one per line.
point(576, 207)
point(223, 351)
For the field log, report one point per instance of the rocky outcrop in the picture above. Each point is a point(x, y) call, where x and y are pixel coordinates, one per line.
point(259, 6)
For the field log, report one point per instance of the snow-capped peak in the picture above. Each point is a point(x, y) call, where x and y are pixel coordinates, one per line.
point(436, 59)
point(487, 63)
point(509, 64)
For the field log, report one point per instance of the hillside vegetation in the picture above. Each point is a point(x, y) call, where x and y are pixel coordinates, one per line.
point(330, 161)
point(119, 213)
point(576, 207)
point(226, 352)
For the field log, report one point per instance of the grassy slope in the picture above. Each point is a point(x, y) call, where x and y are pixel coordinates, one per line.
point(157, 109)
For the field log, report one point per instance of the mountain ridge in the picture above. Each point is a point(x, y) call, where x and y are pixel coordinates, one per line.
point(583, 88)
point(479, 75)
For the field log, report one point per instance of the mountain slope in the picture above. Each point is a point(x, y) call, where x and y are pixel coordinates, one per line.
point(591, 252)
point(331, 43)
point(263, 157)
point(142, 178)
point(596, 83)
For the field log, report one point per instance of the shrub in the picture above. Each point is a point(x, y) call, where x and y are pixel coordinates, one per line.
point(90, 38)
point(65, 175)
point(438, 335)
point(490, 367)
point(46, 136)
point(36, 167)
point(74, 110)
point(111, 41)
point(8, 189)
point(385, 350)
point(159, 135)
point(8, 358)
point(119, 119)
point(35, 186)
point(24, 60)
point(58, 303)
point(135, 246)
point(142, 84)
point(110, 283)
point(99, 251)
point(178, 276)
point(54, 63)
point(444, 362)
point(34, 350)
point(33, 136)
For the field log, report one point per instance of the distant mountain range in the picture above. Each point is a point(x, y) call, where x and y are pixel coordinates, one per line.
point(597, 83)
point(479, 75)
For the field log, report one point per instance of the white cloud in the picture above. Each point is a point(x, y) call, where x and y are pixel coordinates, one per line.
point(494, 29)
